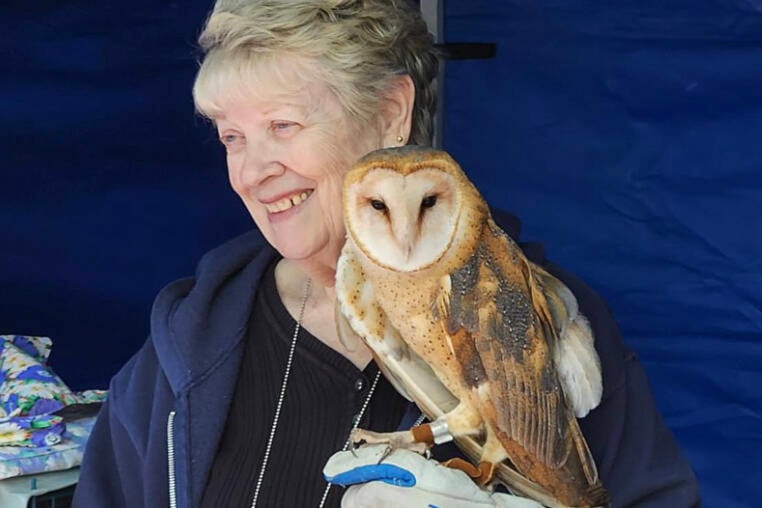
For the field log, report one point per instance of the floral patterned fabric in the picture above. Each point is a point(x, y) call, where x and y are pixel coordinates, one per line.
point(22, 460)
point(33, 436)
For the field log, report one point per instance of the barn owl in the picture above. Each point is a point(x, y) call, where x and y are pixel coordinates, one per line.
point(490, 346)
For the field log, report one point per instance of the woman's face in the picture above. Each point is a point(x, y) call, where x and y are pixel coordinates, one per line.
point(287, 154)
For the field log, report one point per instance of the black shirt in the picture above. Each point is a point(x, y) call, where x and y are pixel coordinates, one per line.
point(325, 391)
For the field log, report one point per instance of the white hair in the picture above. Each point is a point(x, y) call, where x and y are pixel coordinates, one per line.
point(356, 47)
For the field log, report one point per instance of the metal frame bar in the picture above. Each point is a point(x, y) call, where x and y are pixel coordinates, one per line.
point(433, 14)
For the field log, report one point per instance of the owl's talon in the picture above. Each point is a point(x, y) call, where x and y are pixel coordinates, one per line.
point(357, 436)
point(387, 452)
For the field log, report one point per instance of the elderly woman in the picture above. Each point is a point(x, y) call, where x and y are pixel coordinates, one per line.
point(243, 390)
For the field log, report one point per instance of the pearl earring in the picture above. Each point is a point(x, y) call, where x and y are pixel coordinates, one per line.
point(400, 139)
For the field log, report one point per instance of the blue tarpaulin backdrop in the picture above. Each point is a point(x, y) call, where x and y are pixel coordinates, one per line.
point(626, 135)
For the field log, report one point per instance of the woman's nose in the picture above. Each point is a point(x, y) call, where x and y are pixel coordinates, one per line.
point(262, 161)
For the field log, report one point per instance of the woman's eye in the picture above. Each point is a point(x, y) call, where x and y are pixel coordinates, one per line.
point(378, 204)
point(428, 201)
point(231, 140)
point(280, 127)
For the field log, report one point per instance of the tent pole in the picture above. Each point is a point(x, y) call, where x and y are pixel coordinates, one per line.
point(433, 14)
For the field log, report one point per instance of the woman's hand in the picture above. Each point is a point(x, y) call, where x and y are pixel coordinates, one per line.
point(404, 478)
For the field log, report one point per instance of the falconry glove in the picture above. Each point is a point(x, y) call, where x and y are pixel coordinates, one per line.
point(405, 478)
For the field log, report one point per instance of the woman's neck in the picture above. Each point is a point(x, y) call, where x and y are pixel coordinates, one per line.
point(319, 311)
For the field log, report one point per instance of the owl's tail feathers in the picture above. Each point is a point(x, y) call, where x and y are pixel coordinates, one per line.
point(598, 495)
point(586, 460)
point(590, 490)
point(522, 474)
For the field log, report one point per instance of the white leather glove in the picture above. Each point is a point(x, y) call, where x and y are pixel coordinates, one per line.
point(405, 479)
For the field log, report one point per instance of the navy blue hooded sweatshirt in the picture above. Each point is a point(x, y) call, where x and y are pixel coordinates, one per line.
point(156, 437)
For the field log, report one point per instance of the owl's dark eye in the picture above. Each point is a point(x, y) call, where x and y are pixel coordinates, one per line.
point(429, 201)
point(378, 204)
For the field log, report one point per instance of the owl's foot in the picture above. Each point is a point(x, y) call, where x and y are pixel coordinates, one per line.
point(481, 474)
point(403, 439)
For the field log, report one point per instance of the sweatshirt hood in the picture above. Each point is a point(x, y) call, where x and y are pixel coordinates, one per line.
point(196, 322)
point(511, 224)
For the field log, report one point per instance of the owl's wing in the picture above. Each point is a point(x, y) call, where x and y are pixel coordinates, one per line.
point(501, 326)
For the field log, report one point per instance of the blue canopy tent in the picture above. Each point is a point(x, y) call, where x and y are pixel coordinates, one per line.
point(624, 134)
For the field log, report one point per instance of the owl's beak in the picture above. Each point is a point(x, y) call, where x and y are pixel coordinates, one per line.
point(408, 251)
point(405, 232)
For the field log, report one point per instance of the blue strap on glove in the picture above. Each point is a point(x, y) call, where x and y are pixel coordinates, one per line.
point(387, 473)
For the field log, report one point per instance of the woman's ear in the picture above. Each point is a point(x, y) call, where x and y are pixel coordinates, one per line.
point(398, 111)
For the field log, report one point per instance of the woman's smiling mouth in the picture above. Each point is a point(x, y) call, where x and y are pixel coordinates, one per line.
point(284, 204)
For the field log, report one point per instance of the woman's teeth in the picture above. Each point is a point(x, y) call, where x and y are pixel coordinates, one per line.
point(286, 203)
